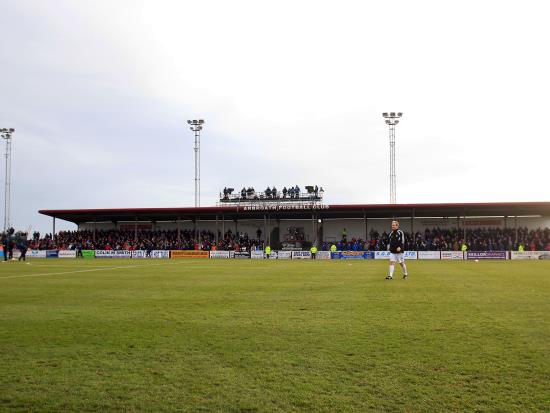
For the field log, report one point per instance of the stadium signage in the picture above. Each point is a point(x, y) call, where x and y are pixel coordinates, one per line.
point(323, 255)
point(52, 254)
point(381, 255)
point(452, 255)
point(486, 255)
point(284, 207)
point(219, 254)
point(67, 254)
point(104, 253)
point(157, 254)
point(301, 255)
point(37, 254)
point(188, 254)
point(123, 254)
point(283, 255)
point(351, 255)
point(429, 255)
point(528, 255)
point(280, 255)
point(87, 253)
point(257, 255)
point(113, 254)
point(241, 254)
point(385, 255)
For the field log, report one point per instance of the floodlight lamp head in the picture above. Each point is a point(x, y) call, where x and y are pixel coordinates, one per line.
point(189, 122)
point(392, 114)
point(201, 121)
point(385, 114)
point(388, 121)
point(396, 122)
point(399, 114)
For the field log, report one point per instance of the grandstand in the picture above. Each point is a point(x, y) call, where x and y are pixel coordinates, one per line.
point(316, 223)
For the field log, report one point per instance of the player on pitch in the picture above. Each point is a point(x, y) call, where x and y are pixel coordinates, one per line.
point(396, 246)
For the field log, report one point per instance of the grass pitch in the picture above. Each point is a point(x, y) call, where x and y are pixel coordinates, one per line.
point(273, 336)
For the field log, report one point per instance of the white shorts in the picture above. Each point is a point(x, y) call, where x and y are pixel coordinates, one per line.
point(399, 257)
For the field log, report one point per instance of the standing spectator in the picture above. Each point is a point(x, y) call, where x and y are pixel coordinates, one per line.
point(5, 242)
point(22, 246)
point(313, 251)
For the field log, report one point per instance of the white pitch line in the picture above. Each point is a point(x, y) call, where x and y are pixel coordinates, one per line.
point(58, 266)
point(190, 265)
point(79, 271)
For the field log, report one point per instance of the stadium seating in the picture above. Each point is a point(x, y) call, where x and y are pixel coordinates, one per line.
point(436, 239)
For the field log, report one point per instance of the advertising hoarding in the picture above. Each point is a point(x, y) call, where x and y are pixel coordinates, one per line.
point(188, 254)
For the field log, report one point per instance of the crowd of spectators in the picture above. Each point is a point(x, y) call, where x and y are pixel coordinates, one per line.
point(437, 239)
point(145, 240)
point(292, 192)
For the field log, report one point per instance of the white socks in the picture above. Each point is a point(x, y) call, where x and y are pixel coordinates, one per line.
point(392, 269)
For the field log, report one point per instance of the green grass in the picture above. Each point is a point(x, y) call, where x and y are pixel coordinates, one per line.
point(277, 336)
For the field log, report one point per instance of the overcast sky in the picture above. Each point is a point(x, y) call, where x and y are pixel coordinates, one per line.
point(292, 93)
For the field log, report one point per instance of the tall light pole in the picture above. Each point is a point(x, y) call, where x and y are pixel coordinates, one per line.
point(392, 119)
point(196, 126)
point(6, 135)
